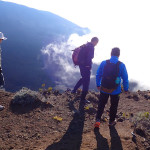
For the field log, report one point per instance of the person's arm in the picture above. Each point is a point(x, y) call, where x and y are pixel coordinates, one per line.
point(124, 76)
point(90, 56)
point(99, 75)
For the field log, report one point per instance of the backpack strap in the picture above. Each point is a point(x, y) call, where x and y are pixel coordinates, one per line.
point(118, 63)
point(108, 61)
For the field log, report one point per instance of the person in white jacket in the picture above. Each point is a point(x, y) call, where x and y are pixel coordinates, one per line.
point(1, 74)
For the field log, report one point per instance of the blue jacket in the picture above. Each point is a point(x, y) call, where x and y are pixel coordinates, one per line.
point(122, 75)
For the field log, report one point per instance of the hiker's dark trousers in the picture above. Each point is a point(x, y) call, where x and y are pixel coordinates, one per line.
point(103, 99)
point(84, 80)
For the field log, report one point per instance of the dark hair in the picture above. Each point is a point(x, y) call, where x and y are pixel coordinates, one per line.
point(115, 52)
point(94, 39)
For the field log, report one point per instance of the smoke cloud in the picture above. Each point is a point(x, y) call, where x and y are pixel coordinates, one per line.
point(58, 62)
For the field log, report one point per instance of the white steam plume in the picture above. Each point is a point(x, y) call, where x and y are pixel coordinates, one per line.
point(61, 54)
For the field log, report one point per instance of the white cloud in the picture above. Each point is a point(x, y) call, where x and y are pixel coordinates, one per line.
point(135, 61)
point(124, 24)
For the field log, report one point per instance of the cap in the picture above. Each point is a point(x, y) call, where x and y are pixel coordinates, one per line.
point(2, 36)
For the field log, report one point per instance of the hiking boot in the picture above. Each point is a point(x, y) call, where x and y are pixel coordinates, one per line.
point(1, 107)
point(73, 92)
point(112, 123)
point(86, 101)
point(97, 124)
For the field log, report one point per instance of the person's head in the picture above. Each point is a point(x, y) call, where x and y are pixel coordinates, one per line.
point(115, 52)
point(2, 37)
point(94, 41)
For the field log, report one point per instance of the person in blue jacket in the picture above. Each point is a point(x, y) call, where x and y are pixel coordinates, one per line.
point(85, 65)
point(114, 95)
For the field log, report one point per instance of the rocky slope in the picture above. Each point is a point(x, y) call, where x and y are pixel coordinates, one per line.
point(62, 123)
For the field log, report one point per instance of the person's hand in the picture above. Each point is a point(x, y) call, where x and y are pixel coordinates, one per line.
point(98, 87)
point(126, 92)
point(87, 66)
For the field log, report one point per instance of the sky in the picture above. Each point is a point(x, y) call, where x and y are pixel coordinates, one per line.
point(118, 23)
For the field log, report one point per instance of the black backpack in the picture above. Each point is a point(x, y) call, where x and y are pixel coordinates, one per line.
point(110, 79)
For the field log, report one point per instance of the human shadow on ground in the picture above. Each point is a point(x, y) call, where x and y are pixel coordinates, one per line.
point(102, 143)
point(72, 139)
point(115, 139)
